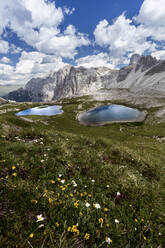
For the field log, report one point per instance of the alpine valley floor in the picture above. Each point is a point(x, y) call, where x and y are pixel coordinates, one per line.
point(66, 185)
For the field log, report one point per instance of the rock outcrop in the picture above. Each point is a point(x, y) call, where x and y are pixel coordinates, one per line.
point(2, 101)
point(142, 72)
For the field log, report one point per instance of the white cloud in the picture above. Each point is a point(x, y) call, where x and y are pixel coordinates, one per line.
point(14, 49)
point(36, 64)
point(32, 64)
point(4, 46)
point(101, 59)
point(69, 11)
point(141, 34)
point(6, 71)
point(159, 54)
point(122, 37)
point(5, 60)
point(64, 45)
point(37, 23)
point(152, 13)
point(152, 16)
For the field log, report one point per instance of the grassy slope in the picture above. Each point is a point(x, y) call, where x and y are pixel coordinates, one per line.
point(126, 157)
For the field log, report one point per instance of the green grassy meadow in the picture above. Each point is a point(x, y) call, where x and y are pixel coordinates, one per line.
point(65, 185)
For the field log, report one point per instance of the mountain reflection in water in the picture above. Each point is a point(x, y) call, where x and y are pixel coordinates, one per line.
point(110, 113)
point(41, 110)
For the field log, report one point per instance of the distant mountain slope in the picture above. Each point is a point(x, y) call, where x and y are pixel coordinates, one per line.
point(143, 71)
point(2, 100)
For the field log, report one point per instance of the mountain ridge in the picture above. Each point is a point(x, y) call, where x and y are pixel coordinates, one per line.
point(142, 71)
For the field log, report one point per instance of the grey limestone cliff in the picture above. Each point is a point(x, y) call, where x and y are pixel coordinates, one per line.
point(142, 72)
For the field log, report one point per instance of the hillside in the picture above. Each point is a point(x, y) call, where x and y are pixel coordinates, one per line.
point(67, 185)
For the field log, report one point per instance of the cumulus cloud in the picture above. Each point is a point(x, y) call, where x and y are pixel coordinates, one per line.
point(123, 37)
point(4, 46)
point(140, 34)
point(152, 16)
point(152, 13)
point(14, 49)
point(159, 54)
point(5, 72)
point(5, 60)
point(31, 64)
point(101, 59)
point(64, 45)
point(37, 23)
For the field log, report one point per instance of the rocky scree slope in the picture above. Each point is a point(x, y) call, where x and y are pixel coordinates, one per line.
point(143, 72)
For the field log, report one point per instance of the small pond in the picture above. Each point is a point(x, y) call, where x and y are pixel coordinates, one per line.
point(109, 114)
point(42, 110)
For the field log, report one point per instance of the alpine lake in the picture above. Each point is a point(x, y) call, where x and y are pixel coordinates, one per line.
point(110, 114)
point(42, 110)
point(96, 116)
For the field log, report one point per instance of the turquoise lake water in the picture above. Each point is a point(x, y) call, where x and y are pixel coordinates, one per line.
point(110, 113)
point(42, 110)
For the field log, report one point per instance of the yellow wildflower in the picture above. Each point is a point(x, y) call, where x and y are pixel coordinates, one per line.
point(144, 238)
point(74, 230)
point(62, 188)
point(101, 220)
point(34, 201)
point(31, 235)
point(50, 200)
point(87, 236)
point(71, 195)
point(13, 167)
point(105, 209)
point(57, 224)
point(52, 181)
point(76, 204)
point(14, 174)
point(136, 220)
point(81, 213)
point(107, 225)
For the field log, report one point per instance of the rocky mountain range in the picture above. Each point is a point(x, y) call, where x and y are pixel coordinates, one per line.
point(144, 72)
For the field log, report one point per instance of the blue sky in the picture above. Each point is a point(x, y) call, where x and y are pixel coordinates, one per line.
point(39, 36)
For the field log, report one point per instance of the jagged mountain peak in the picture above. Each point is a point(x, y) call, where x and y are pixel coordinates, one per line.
point(70, 81)
point(134, 59)
point(143, 62)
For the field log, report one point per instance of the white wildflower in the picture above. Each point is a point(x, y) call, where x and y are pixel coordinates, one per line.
point(40, 226)
point(97, 205)
point(40, 218)
point(74, 183)
point(87, 204)
point(108, 240)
